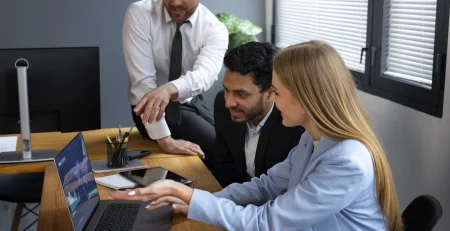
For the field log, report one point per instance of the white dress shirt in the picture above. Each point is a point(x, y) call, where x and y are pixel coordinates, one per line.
point(148, 31)
point(315, 142)
point(251, 143)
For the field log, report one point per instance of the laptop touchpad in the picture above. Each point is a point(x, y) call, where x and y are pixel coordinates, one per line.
point(155, 220)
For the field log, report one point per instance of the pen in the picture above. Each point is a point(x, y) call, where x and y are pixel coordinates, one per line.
point(115, 157)
point(121, 142)
point(118, 155)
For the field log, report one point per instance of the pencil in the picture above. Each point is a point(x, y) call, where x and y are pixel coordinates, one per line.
point(120, 132)
point(110, 141)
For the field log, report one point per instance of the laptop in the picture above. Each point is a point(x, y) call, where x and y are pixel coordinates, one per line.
point(86, 210)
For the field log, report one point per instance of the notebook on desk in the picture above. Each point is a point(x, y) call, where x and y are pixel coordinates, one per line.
point(86, 210)
point(116, 182)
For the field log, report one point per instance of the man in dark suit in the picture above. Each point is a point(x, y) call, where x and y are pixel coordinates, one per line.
point(250, 136)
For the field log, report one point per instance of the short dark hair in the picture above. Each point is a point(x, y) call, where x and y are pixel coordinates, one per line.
point(254, 58)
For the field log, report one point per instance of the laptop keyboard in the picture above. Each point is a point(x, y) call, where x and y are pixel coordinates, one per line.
point(118, 217)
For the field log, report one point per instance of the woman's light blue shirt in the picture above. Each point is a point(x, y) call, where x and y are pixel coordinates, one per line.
point(330, 187)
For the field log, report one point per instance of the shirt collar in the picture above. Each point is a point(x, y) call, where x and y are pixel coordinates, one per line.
point(191, 19)
point(166, 15)
point(323, 145)
point(251, 126)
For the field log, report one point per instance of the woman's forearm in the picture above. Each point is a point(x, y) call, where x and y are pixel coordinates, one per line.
point(181, 191)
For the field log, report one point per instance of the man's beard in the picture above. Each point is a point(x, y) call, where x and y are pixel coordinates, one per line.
point(253, 112)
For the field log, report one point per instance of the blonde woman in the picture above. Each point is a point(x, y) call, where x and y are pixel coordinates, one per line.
point(337, 178)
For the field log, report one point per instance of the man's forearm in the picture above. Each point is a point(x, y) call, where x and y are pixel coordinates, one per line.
point(165, 141)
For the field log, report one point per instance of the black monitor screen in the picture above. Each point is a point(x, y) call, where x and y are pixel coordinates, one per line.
point(77, 181)
point(63, 89)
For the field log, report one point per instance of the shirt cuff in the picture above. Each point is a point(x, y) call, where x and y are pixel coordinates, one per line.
point(183, 88)
point(158, 130)
point(199, 201)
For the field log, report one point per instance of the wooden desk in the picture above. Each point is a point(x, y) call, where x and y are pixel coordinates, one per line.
point(95, 145)
point(54, 214)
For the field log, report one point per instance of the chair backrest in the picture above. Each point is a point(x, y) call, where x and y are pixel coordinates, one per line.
point(21, 187)
point(422, 214)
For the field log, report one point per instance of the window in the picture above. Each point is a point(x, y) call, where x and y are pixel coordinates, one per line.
point(343, 24)
point(408, 41)
point(395, 48)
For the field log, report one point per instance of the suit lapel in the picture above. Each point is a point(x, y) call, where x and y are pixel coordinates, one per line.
point(264, 138)
point(239, 141)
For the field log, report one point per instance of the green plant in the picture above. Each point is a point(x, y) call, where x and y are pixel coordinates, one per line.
point(240, 31)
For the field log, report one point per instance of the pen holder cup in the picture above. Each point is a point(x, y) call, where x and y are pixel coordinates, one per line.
point(117, 153)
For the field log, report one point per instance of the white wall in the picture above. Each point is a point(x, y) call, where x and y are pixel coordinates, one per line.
point(252, 10)
point(418, 148)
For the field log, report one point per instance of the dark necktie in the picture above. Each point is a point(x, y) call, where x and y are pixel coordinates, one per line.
point(173, 108)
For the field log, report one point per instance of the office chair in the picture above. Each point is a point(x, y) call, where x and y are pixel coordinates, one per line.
point(22, 188)
point(422, 214)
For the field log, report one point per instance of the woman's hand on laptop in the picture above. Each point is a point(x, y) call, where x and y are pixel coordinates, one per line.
point(158, 190)
point(154, 191)
point(178, 206)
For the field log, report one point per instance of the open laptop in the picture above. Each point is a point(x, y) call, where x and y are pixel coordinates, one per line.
point(86, 210)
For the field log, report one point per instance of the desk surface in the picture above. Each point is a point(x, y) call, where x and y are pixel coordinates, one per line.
point(95, 144)
point(55, 216)
point(53, 211)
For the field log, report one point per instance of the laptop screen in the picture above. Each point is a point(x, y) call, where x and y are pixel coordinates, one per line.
point(78, 181)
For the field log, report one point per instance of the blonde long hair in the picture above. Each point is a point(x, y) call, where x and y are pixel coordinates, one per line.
point(317, 76)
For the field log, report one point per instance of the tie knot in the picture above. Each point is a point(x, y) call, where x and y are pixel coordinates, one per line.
point(180, 24)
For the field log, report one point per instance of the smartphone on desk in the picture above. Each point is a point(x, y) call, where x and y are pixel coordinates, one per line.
point(144, 177)
point(138, 154)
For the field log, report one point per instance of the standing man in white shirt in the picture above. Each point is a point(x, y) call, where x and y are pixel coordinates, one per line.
point(173, 52)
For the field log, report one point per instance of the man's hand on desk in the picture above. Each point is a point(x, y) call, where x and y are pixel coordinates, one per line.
point(171, 145)
point(153, 103)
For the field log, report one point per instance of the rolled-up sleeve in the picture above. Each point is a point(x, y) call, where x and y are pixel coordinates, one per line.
point(158, 129)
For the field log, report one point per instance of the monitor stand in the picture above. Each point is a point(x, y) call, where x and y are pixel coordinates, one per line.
point(38, 155)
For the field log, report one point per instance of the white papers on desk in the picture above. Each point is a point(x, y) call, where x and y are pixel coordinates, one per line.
point(8, 144)
point(116, 181)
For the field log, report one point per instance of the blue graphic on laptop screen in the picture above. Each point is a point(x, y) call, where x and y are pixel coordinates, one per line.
point(78, 181)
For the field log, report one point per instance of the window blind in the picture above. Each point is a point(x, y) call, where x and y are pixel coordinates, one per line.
point(408, 40)
point(341, 23)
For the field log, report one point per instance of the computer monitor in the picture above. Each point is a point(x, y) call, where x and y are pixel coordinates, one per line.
point(63, 89)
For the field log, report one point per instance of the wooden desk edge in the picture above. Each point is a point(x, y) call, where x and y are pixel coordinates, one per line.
point(53, 211)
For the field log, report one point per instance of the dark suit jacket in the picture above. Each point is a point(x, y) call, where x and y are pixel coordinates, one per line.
point(274, 144)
